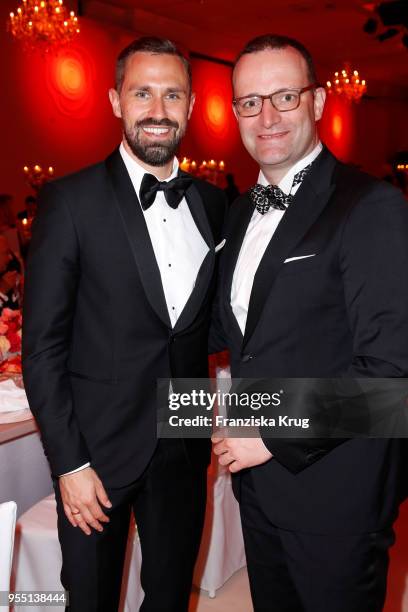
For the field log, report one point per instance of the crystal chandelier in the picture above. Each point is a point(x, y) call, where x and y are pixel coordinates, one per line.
point(347, 83)
point(43, 23)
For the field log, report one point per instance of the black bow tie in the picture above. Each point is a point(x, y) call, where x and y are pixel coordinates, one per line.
point(174, 190)
point(272, 196)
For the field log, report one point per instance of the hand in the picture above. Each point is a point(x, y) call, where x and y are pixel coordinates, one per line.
point(240, 453)
point(81, 492)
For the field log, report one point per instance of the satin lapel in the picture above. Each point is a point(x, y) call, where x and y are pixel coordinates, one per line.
point(204, 276)
point(197, 209)
point(138, 235)
point(310, 200)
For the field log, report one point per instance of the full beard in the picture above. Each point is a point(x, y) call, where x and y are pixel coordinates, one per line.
point(157, 154)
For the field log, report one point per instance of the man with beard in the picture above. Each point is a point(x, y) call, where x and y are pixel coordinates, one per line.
point(119, 285)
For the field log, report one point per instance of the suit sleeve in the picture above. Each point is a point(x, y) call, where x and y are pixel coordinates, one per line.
point(373, 261)
point(52, 277)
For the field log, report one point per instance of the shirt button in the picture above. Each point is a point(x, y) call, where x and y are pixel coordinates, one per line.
point(164, 220)
point(169, 265)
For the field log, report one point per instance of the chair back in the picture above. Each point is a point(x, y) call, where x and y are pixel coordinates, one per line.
point(8, 511)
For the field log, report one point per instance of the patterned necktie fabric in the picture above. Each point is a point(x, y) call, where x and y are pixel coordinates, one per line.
point(272, 196)
point(173, 190)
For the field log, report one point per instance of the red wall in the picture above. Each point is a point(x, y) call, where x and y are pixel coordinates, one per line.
point(213, 131)
point(55, 111)
point(55, 108)
point(367, 134)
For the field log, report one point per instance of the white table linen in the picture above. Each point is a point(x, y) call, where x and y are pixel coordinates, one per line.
point(13, 399)
point(222, 547)
point(24, 471)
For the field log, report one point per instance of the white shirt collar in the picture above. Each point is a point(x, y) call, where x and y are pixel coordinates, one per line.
point(137, 172)
point(286, 182)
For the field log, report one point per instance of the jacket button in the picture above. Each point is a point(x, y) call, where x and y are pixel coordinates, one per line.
point(247, 357)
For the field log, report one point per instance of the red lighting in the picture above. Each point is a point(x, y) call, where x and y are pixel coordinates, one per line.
point(61, 101)
point(216, 113)
point(213, 131)
point(337, 126)
point(70, 82)
point(70, 77)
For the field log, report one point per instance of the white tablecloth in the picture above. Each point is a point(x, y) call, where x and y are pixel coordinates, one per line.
point(24, 472)
point(222, 548)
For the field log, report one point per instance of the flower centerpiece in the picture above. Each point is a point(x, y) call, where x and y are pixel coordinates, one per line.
point(10, 341)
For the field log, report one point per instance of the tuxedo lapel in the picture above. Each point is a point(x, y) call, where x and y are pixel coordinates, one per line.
point(137, 234)
point(205, 273)
point(196, 206)
point(307, 205)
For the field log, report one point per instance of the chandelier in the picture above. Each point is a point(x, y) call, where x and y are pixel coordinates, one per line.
point(36, 176)
point(347, 84)
point(43, 22)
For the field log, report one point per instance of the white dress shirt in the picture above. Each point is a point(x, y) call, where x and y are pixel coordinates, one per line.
point(178, 246)
point(259, 232)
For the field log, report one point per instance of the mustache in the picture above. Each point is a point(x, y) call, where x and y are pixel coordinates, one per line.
point(151, 121)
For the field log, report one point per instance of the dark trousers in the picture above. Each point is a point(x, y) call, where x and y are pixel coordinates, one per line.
point(298, 572)
point(168, 502)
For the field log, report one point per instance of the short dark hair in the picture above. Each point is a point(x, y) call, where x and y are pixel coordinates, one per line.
point(153, 45)
point(276, 41)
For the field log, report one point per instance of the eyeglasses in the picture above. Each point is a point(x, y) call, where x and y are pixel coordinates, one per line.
point(283, 100)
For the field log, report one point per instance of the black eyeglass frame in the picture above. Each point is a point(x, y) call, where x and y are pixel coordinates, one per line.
point(269, 96)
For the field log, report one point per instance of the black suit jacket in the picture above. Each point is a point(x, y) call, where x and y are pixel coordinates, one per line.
point(97, 333)
point(342, 312)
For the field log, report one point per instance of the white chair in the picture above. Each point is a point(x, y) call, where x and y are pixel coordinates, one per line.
point(8, 511)
point(222, 547)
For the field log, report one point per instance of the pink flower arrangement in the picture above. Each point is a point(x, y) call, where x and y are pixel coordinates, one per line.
point(10, 340)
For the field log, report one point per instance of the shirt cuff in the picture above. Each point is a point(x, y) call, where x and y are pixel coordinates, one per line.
point(77, 469)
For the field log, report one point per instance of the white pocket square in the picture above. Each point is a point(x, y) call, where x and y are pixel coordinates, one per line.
point(219, 246)
point(300, 257)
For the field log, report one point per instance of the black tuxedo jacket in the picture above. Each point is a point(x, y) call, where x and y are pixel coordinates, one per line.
point(342, 312)
point(97, 333)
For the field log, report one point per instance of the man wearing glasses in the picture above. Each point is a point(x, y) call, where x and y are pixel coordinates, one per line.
point(313, 284)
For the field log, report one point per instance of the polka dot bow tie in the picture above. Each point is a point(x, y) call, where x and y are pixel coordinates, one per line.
point(272, 196)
